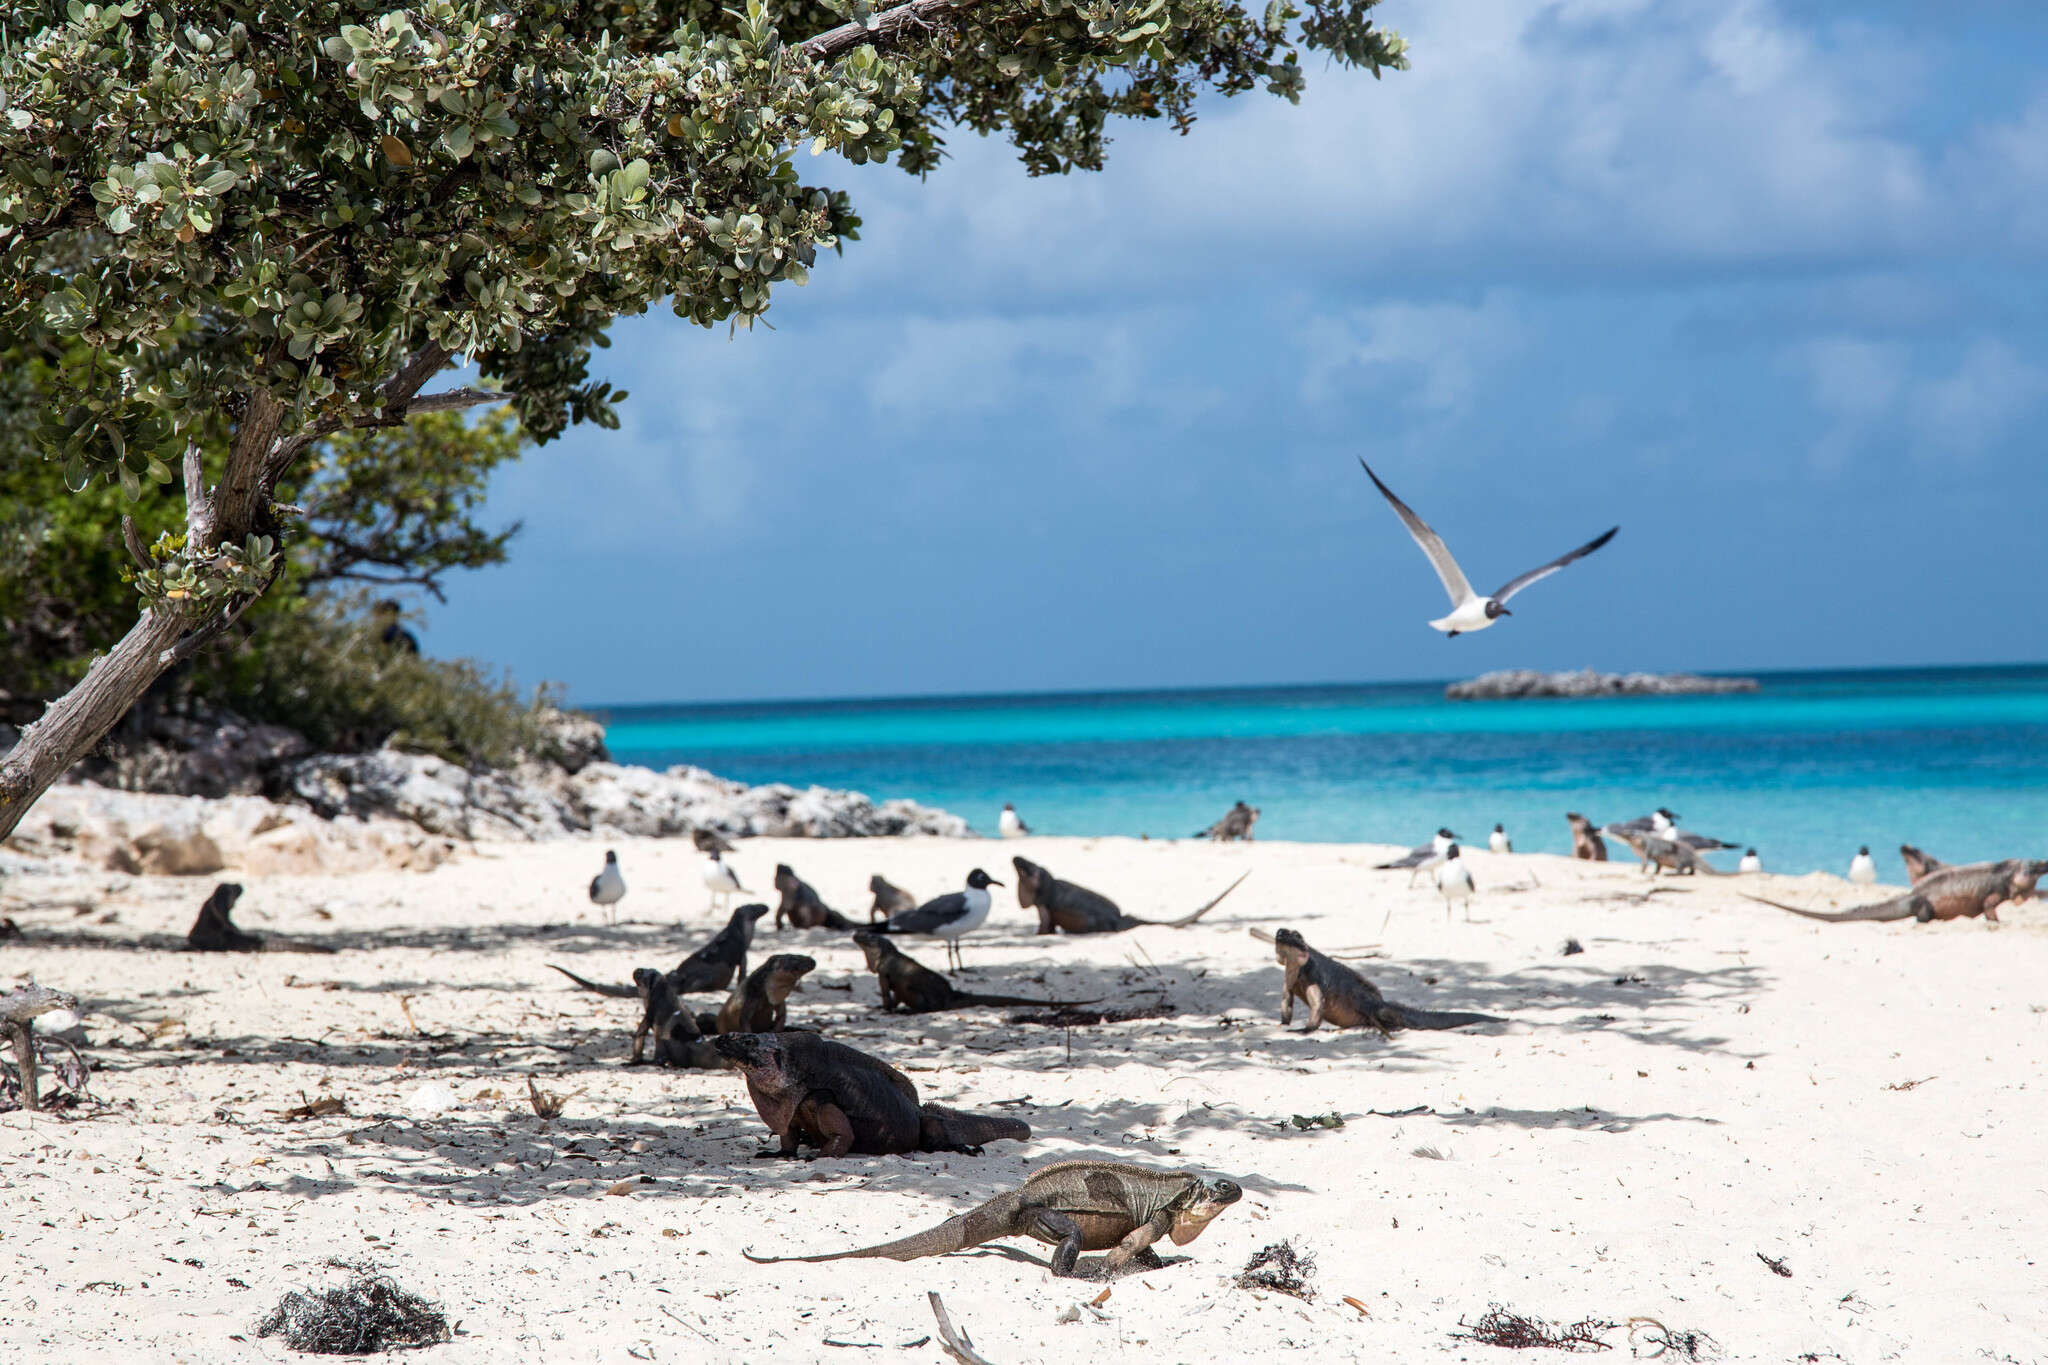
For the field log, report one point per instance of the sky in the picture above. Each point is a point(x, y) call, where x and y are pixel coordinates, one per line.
point(1759, 282)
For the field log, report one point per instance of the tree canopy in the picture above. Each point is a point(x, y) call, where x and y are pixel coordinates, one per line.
point(247, 226)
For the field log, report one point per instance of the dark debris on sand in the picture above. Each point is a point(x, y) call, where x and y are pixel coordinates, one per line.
point(368, 1314)
point(1280, 1268)
point(1504, 1327)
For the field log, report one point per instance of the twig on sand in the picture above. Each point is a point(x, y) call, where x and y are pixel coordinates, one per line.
point(1777, 1267)
point(955, 1341)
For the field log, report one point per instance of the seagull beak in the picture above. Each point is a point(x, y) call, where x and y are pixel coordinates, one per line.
point(1505, 612)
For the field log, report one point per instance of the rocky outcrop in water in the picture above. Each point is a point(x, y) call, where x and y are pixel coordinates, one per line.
point(1528, 682)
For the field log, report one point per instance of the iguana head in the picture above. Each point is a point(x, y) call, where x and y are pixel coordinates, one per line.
point(1290, 946)
point(1205, 1200)
point(760, 1055)
point(784, 970)
point(644, 979)
point(875, 947)
point(1029, 876)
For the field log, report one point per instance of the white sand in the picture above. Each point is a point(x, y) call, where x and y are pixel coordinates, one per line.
point(1619, 1150)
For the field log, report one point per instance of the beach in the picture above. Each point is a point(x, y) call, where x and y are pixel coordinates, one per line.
point(1709, 1086)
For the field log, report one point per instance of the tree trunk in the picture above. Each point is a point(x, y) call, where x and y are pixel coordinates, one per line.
point(76, 720)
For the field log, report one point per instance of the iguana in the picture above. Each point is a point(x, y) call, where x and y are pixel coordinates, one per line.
point(805, 908)
point(1665, 854)
point(678, 1037)
point(1069, 908)
point(1075, 1206)
point(910, 986)
point(215, 931)
point(838, 1099)
point(1339, 996)
point(890, 900)
point(1236, 824)
point(1918, 864)
point(760, 1004)
point(712, 967)
point(1586, 841)
point(1945, 893)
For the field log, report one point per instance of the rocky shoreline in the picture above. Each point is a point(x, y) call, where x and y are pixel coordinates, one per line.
point(1585, 682)
point(203, 795)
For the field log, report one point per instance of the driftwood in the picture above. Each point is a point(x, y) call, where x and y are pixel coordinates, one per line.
point(19, 1010)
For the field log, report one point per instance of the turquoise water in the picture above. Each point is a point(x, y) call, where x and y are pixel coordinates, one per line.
point(1955, 760)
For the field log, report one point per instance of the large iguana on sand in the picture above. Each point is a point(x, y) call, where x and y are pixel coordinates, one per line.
point(1069, 908)
point(1338, 996)
point(1075, 1206)
point(1945, 893)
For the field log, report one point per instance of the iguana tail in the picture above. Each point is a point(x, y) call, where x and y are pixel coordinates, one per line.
point(1407, 1016)
point(1899, 907)
point(945, 1129)
point(840, 923)
point(996, 1218)
point(626, 992)
point(1185, 920)
point(976, 998)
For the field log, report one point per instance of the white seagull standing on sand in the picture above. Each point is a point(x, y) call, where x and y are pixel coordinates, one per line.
point(1011, 824)
point(950, 917)
point(1422, 858)
point(608, 888)
point(1862, 870)
point(721, 881)
point(1454, 882)
point(1470, 611)
point(1498, 841)
point(1750, 862)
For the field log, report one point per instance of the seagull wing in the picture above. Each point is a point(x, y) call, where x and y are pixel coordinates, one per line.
point(1515, 585)
point(1432, 544)
point(932, 915)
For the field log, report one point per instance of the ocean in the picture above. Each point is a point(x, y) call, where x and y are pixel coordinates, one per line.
point(1806, 769)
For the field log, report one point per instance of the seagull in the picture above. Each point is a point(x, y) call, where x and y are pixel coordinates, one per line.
point(1498, 841)
point(721, 880)
point(1423, 858)
point(949, 917)
point(1664, 824)
point(1470, 611)
point(1454, 882)
point(1010, 823)
point(608, 888)
point(1862, 870)
point(1750, 862)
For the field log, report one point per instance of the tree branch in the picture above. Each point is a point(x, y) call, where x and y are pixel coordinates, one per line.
point(198, 507)
point(451, 400)
point(133, 540)
point(890, 26)
point(208, 633)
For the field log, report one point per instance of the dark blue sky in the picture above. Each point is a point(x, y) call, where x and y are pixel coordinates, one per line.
point(1760, 282)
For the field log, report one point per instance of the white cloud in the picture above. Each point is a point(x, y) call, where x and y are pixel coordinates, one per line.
point(1433, 355)
point(1989, 393)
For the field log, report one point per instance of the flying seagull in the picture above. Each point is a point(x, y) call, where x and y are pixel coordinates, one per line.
point(1470, 611)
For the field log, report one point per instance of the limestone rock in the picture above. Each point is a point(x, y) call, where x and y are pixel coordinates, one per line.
point(1528, 682)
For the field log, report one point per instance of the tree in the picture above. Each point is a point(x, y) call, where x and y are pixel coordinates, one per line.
point(254, 225)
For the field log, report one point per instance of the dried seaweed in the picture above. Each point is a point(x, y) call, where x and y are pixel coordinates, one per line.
point(368, 1314)
point(1280, 1268)
point(1504, 1327)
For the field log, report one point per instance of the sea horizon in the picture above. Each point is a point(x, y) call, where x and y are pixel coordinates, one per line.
point(1808, 768)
